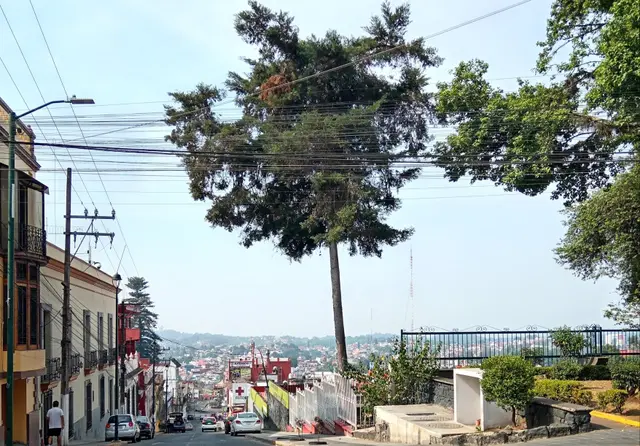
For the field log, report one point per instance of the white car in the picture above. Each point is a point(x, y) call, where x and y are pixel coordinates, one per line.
point(210, 424)
point(246, 422)
point(128, 428)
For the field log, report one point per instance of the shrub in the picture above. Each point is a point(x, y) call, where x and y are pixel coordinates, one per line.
point(625, 373)
point(595, 373)
point(566, 369)
point(569, 342)
point(564, 391)
point(613, 397)
point(508, 381)
point(544, 371)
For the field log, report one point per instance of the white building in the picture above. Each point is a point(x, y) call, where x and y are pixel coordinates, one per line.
point(93, 360)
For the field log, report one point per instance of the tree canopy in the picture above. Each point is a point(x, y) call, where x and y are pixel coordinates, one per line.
point(316, 158)
point(146, 319)
point(575, 134)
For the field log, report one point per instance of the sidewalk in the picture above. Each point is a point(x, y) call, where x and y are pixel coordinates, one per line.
point(601, 436)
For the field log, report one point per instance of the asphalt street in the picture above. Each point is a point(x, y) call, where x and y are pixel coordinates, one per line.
point(198, 438)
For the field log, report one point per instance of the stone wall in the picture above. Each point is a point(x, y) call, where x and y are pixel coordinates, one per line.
point(546, 412)
point(439, 391)
point(278, 413)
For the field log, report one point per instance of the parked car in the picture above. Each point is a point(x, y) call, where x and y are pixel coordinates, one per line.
point(176, 423)
point(128, 428)
point(190, 417)
point(246, 422)
point(147, 429)
point(210, 424)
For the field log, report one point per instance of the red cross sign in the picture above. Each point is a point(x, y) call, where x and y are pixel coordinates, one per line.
point(240, 391)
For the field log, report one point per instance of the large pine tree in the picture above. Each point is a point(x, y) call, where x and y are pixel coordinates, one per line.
point(147, 319)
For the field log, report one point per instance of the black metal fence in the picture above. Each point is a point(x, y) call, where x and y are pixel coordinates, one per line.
point(462, 348)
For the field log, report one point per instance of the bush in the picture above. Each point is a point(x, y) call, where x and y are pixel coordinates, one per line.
point(508, 381)
point(566, 369)
point(544, 371)
point(563, 391)
point(595, 373)
point(613, 397)
point(625, 373)
point(569, 342)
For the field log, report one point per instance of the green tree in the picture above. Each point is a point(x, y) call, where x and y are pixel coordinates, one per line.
point(575, 135)
point(146, 319)
point(311, 164)
point(508, 381)
point(569, 343)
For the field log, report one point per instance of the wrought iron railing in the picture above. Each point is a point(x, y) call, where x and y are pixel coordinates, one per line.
point(113, 355)
point(32, 240)
point(53, 370)
point(457, 348)
point(103, 358)
point(76, 363)
point(91, 359)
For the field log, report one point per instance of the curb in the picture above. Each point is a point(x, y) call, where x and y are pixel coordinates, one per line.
point(264, 440)
point(615, 418)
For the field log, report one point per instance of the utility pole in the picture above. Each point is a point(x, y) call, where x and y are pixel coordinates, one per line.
point(123, 353)
point(66, 285)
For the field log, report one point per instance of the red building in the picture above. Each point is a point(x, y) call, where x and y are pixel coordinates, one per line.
point(127, 332)
point(276, 369)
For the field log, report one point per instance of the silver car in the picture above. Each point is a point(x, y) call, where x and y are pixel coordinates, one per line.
point(246, 422)
point(128, 428)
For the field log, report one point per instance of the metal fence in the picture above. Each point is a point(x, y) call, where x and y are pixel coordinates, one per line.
point(334, 398)
point(460, 348)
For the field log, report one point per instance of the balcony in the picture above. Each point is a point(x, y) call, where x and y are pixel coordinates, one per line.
point(103, 358)
point(113, 356)
point(30, 240)
point(90, 360)
point(53, 367)
point(76, 364)
point(132, 334)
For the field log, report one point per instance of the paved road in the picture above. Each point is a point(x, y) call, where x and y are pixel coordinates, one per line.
point(198, 438)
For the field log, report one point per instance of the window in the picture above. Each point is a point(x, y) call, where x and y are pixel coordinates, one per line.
point(102, 397)
point(22, 315)
point(27, 307)
point(110, 330)
point(34, 317)
point(100, 332)
point(86, 339)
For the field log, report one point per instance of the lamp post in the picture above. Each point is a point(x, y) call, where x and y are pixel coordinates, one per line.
point(13, 123)
point(117, 279)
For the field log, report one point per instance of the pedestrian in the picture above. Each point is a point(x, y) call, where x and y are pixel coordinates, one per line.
point(55, 421)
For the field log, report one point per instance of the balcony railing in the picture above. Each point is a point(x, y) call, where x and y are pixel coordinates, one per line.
point(91, 360)
point(103, 359)
point(76, 363)
point(32, 240)
point(113, 356)
point(53, 367)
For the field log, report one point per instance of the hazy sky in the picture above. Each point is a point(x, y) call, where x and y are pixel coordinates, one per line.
point(480, 256)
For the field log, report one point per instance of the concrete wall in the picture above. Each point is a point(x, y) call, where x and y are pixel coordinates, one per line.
point(278, 413)
point(439, 391)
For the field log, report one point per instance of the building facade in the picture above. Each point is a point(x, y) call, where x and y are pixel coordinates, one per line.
point(93, 309)
point(30, 258)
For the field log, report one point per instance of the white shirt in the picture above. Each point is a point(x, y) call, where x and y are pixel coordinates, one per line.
point(55, 415)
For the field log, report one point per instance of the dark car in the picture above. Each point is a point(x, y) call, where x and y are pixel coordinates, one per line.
point(147, 429)
point(190, 417)
point(176, 423)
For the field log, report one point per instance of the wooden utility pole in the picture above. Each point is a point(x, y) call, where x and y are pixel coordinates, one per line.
point(65, 343)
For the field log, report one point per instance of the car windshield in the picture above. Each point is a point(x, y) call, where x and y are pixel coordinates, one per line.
point(247, 415)
point(120, 418)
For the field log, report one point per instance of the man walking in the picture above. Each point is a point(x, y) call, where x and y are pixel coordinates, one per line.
point(55, 421)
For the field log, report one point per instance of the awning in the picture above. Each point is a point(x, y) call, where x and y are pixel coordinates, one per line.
point(32, 183)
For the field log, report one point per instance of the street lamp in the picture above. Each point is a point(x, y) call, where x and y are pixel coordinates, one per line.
point(117, 279)
point(12, 186)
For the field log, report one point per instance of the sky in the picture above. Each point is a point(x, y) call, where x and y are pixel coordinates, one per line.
point(480, 256)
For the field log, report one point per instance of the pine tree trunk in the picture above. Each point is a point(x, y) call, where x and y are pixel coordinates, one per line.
point(336, 295)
